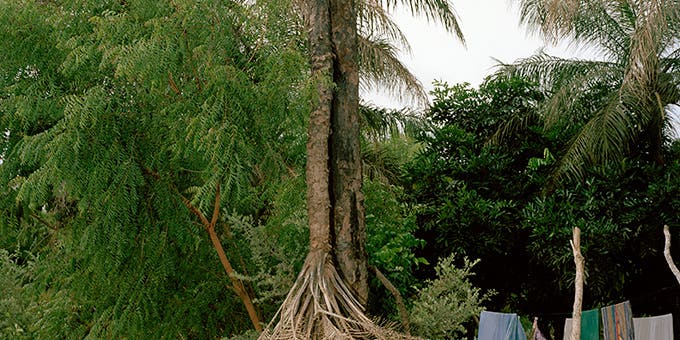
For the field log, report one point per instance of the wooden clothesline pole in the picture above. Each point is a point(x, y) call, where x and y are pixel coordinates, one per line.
point(667, 253)
point(578, 285)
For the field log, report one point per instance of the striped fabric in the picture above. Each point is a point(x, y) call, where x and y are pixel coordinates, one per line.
point(617, 322)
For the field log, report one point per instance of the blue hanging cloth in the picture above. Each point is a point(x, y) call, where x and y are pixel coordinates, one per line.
point(500, 326)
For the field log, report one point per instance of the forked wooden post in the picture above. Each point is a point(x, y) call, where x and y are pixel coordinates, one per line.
point(667, 253)
point(578, 285)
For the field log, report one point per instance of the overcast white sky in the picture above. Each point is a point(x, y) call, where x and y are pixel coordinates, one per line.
point(491, 29)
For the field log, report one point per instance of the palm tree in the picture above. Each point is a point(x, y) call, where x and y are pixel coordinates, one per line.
point(327, 299)
point(620, 102)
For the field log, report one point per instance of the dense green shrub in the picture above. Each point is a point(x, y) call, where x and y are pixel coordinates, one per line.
point(446, 305)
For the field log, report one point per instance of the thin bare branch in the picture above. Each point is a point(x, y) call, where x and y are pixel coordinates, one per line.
point(403, 313)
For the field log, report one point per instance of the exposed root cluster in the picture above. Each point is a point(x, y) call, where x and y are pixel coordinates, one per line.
point(321, 306)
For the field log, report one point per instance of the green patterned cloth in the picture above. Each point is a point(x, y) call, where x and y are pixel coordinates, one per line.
point(590, 325)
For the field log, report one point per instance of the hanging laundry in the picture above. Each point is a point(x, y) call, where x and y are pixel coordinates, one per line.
point(590, 325)
point(654, 328)
point(617, 322)
point(500, 326)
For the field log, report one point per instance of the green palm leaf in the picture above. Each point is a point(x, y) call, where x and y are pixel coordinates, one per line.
point(439, 11)
point(381, 67)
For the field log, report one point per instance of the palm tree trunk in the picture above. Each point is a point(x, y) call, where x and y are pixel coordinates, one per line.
point(347, 198)
point(318, 194)
point(320, 304)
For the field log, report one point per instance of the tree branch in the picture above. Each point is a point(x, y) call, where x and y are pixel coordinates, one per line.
point(209, 226)
point(216, 208)
point(43, 221)
point(194, 210)
point(397, 296)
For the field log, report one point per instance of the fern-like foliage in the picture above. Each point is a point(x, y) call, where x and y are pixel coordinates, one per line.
point(111, 111)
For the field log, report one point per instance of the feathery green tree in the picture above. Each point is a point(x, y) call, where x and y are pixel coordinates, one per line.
point(124, 124)
point(118, 114)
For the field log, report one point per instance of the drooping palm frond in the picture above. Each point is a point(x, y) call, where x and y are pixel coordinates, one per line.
point(549, 17)
point(440, 11)
point(379, 124)
point(566, 81)
point(388, 136)
point(551, 72)
point(380, 41)
point(586, 24)
point(381, 163)
point(603, 138)
point(605, 32)
point(374, 21)
point(380, 67)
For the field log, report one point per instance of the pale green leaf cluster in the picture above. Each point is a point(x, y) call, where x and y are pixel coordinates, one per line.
point(445, 304)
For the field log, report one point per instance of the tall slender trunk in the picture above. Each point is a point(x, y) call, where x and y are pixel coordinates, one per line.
point(347, 198)
point(318, 193)
point(326, 303)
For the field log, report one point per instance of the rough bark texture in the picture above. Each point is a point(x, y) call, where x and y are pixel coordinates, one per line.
point(325, 302)
point(318, 195)
point(347, 198)
point(578, 285)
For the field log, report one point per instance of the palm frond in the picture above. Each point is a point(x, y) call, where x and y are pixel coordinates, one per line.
point(380, 124)
point(567, 81)
point(381, 164)
point(374, 21)
point(440, 11)
point(551, 18)
point(606, 137)
point(603, 30)
point(586, 24)
point(380, 67)
point(549, 71)
point(625, 97)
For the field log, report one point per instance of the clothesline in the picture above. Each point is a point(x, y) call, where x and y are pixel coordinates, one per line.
point(617, 323)
point(632, 299)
